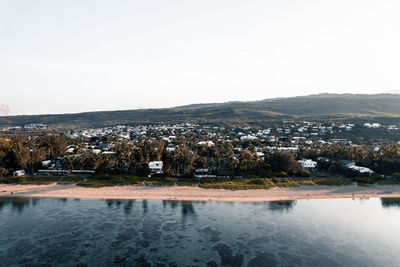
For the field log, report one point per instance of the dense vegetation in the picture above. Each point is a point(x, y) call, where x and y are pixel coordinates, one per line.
point(129, 164)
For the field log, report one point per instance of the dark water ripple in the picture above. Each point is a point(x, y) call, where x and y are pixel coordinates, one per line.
point(68, 232)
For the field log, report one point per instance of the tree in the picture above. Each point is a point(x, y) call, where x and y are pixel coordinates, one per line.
point(3, 171)
point(247, 161)
point(55, 146)
point(284, 161)
point(19, 153)
point(180, 162)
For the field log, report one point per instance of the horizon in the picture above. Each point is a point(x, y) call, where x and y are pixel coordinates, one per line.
point(60, 58)
point(199, 103)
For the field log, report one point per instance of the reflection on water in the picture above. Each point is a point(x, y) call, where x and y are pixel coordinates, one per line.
point(118, 203)
point(390, 202)
point(337, 232)
point(128, 206)
point(187, 206)
point(282, 206)
point(145, 205)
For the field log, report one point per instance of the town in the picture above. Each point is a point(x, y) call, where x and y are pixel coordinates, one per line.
point(286, 149)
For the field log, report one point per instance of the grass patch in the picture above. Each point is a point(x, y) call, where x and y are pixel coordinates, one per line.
point(387, 182)
point(35, 180)
point(283, 182)
point(365, 180)
point(115, 179)
point(237, 184)
point(304, 181)
point(187, 182)
point(95, 183)
point(71, 180)
point(101, 180)
point(160, 181)
point(337, 181)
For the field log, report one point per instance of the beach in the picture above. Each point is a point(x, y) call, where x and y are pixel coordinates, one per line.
point(194, 193)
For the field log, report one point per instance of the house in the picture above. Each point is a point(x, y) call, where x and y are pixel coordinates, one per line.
point(53, 172)
point(362, 169)
point(203, 172)
point(249, 137)
point(261, 155)
point(373, 125)
point(352, 165)
point(170, 149)
point(206, 143)
point(307, 164)
point(156, 167)
point(46, 163)
point(108, 152)
point(19, 173)
point(323, 159)
point(347, 163)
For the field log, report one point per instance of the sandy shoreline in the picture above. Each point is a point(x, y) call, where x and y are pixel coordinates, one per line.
point(187, 193)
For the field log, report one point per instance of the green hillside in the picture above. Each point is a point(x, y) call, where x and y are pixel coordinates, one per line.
point(382, 107)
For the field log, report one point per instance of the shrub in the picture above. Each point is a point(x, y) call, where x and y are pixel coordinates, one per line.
point(239, 184)
point(285, 182)
point(12, 180)
point(304, 173)
point(304, 181)
point(206, 180)
point(279, 174)
point(364, 180)
point(3, 172)
point(251, 176)
point(396, 175)
point(259, 181)
point(187, 181)
point(94, 183)
point(332, 181)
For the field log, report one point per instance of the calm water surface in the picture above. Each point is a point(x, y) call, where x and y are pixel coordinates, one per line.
point(83, 232)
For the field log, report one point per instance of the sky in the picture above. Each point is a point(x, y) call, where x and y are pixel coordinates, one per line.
point(87, 55)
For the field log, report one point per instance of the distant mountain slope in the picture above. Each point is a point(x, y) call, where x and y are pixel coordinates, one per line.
point(322, 106)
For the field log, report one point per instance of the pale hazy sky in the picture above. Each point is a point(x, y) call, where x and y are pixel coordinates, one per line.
point(71, 56)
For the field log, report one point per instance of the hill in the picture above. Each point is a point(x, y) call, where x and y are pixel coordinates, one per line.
point(380, 107)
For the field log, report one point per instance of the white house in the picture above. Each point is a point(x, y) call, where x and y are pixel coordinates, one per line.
point(362, 169)
point(373, 125)
point(156, 166)
point(203, 172)
point(206, 143)
point(19, 173)
point(249, 137)
point(347, 163)
point(46, 163)
point(170, 149)
point(352, 165)
point(307, 164)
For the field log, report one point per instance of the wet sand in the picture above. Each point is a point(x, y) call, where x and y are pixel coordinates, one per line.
point(188, 193)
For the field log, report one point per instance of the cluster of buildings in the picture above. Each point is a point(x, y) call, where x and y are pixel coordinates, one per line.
point(26, 127)
point(286, 136)
point(292, 131)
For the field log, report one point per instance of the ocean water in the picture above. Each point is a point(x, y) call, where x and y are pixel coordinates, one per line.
point(88, 232)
